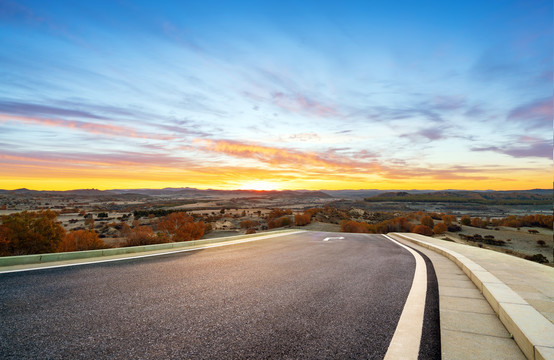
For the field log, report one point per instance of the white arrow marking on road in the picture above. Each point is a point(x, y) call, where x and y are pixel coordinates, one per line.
point(333, 237)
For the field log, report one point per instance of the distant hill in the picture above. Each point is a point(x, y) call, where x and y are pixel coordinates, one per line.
point(79, 192)
point(189, 192)
point(523, 197)
point(530, 197)
point(360, 194)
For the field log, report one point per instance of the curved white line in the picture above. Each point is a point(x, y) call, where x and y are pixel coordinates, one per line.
point(407, 337)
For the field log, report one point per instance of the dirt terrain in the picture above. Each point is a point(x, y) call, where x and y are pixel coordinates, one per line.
point(227, 211)
point(517, 242)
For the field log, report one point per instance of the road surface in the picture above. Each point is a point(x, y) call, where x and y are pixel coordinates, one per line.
point(294, 296)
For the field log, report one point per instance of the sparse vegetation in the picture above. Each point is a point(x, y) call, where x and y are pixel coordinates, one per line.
point(179, 226)
point(126, 220)
point(279, 222)
point(302, 219)
point(81, 240)
point(423, 230)
point(30, 232)
point(540, 258)
point(468, 197)
point(440, 228)
point(143, 235)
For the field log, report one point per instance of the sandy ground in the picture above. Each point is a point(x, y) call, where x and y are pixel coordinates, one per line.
point(520, 241)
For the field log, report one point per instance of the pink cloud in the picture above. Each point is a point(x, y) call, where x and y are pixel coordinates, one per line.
point(94, 128)
point(303, 104)
point(538, 113)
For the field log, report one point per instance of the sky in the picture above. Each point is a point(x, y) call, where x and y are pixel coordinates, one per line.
point(276, 94)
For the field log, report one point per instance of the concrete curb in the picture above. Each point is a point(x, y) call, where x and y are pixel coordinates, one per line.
point(533, 333)
point(78, 255)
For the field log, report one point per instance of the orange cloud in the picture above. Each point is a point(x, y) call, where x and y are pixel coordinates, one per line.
point(291, 169)
point(105, 129)
point(286, 157)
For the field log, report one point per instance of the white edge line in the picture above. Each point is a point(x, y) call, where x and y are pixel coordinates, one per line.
point(232, 242)
point(406, 340)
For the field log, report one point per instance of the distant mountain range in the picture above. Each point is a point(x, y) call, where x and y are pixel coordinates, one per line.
point(189, 192)
point(521, 197)
point(527, 197)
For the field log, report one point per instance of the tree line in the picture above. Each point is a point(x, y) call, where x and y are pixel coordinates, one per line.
point(39, 232)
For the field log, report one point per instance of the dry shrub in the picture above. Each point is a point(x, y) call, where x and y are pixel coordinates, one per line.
point(279, 222)
point(352, 226)
point(427, 221)
point(143, 235)
point(248, 224)
point(278, 213)
point(478, 222)
point(423, 230)
point(302, 219)
point(30, 232)
point(180, 226)
point(440, 228)
point(81, 240)
point(448, 219)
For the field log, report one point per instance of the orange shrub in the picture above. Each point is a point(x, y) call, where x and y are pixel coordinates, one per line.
point(427, 221)
point(277, 213)
point(180, 226)
point(81, 240)
point(302, 219)
point(478, 222)
point(448, 219)
point(279, 222)
point(30, 232)
point(143, 235)
point(352, 226)
point(440, 228)
point(248, 224)
point(423, 230)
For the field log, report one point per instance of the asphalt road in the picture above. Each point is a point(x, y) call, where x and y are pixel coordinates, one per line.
point(295, 296)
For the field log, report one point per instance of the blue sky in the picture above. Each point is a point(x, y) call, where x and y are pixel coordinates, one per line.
point(299, 94)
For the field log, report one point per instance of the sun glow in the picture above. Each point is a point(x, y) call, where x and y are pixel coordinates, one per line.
point(259, 185)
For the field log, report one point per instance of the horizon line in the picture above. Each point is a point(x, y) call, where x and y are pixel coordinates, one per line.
point(272, 190)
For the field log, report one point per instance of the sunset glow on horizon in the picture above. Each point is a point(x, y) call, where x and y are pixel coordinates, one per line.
point(276, 95)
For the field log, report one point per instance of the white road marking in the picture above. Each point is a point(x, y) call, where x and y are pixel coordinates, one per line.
point(407, 337)
point(333, 237)
point(232, 242)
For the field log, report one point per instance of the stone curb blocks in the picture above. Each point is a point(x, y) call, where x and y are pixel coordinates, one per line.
point(533, 333)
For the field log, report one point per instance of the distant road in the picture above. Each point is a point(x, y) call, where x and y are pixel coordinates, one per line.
point(294, 296)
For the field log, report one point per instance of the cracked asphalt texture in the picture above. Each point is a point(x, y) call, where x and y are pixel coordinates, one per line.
point(294, 296)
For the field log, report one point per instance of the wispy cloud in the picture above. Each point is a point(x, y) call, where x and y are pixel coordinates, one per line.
point(444, 102)
point(94, 128)
point(20, 108)
point(537, 114)
point(311, 136)
point(303, 104)
point(535, 148)
point(438, 173)
point(430, 134)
